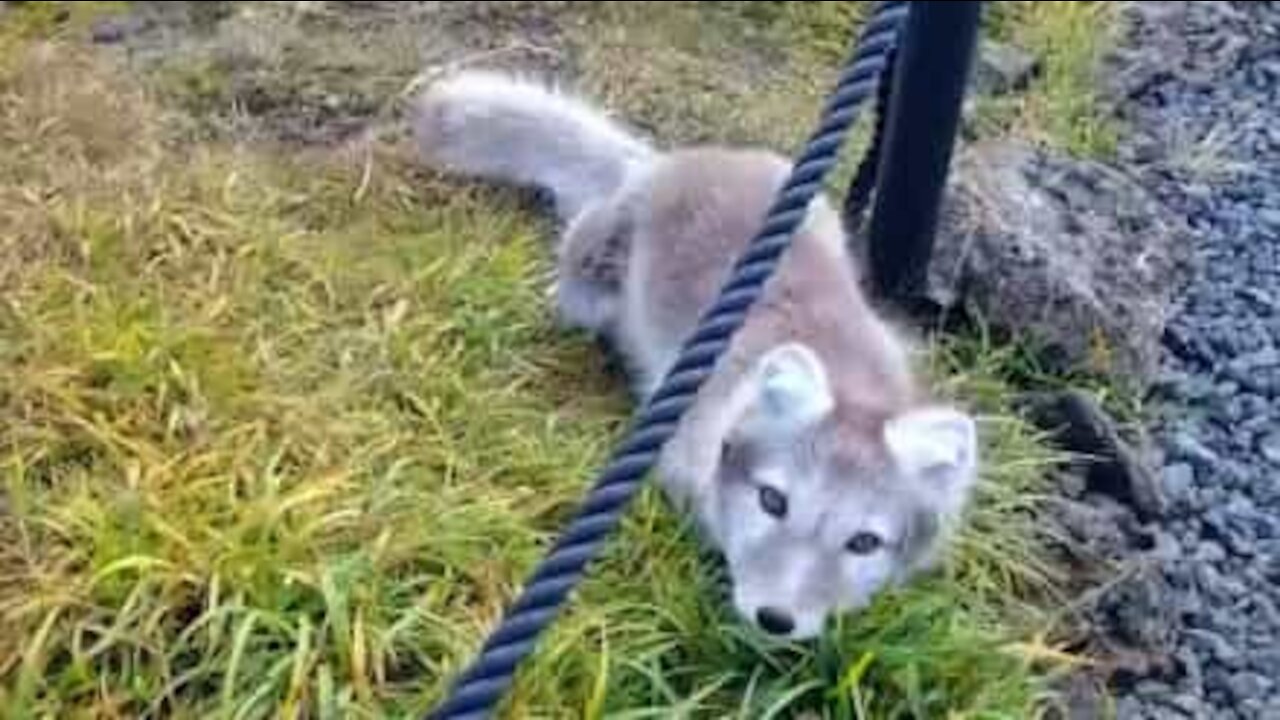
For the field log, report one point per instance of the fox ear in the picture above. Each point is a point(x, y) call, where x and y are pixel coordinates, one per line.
point(938, 448)
point(791, 388)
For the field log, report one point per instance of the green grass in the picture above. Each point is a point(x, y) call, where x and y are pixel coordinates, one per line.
point(724, 72)
point(282, 432)
point(1062, 106)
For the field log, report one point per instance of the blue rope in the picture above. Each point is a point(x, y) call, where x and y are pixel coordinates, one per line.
point(481, 687)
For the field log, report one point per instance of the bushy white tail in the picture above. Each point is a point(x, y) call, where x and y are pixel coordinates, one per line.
point(497, 127)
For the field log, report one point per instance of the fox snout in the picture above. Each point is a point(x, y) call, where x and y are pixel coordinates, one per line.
point(775, 613)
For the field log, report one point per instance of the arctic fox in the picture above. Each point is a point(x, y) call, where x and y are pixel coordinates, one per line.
point(812, 458)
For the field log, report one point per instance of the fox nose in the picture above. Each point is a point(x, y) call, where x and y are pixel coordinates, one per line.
point(775, 621)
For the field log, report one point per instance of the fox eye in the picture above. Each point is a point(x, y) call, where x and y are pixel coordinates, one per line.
point(773, 502)
point(864, 543)
point(734, 457)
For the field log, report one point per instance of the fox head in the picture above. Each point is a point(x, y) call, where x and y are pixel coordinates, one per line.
point(818, 505)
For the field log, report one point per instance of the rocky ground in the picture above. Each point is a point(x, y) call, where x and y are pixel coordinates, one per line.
point(1159, 266)
point(1201, 85)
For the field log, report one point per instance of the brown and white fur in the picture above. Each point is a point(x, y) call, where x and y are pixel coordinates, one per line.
point(812, 458)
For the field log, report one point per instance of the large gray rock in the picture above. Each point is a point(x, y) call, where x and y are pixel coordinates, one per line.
point(1070, 253)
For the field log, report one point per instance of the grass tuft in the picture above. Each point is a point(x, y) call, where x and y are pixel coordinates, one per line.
point(1063, 106)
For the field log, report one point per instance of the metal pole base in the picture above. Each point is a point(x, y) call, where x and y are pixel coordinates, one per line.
point(933, 66)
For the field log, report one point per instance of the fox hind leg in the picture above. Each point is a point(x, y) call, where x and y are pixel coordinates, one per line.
point(590, 266)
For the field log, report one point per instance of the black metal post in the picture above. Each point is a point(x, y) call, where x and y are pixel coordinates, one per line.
point(931, 75)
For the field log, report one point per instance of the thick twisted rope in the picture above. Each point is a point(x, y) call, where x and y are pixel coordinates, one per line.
point(482, 685)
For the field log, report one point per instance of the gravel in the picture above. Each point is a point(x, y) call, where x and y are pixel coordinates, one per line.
point(1270, 448)
point(1202, 89)
point(1178, 480)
